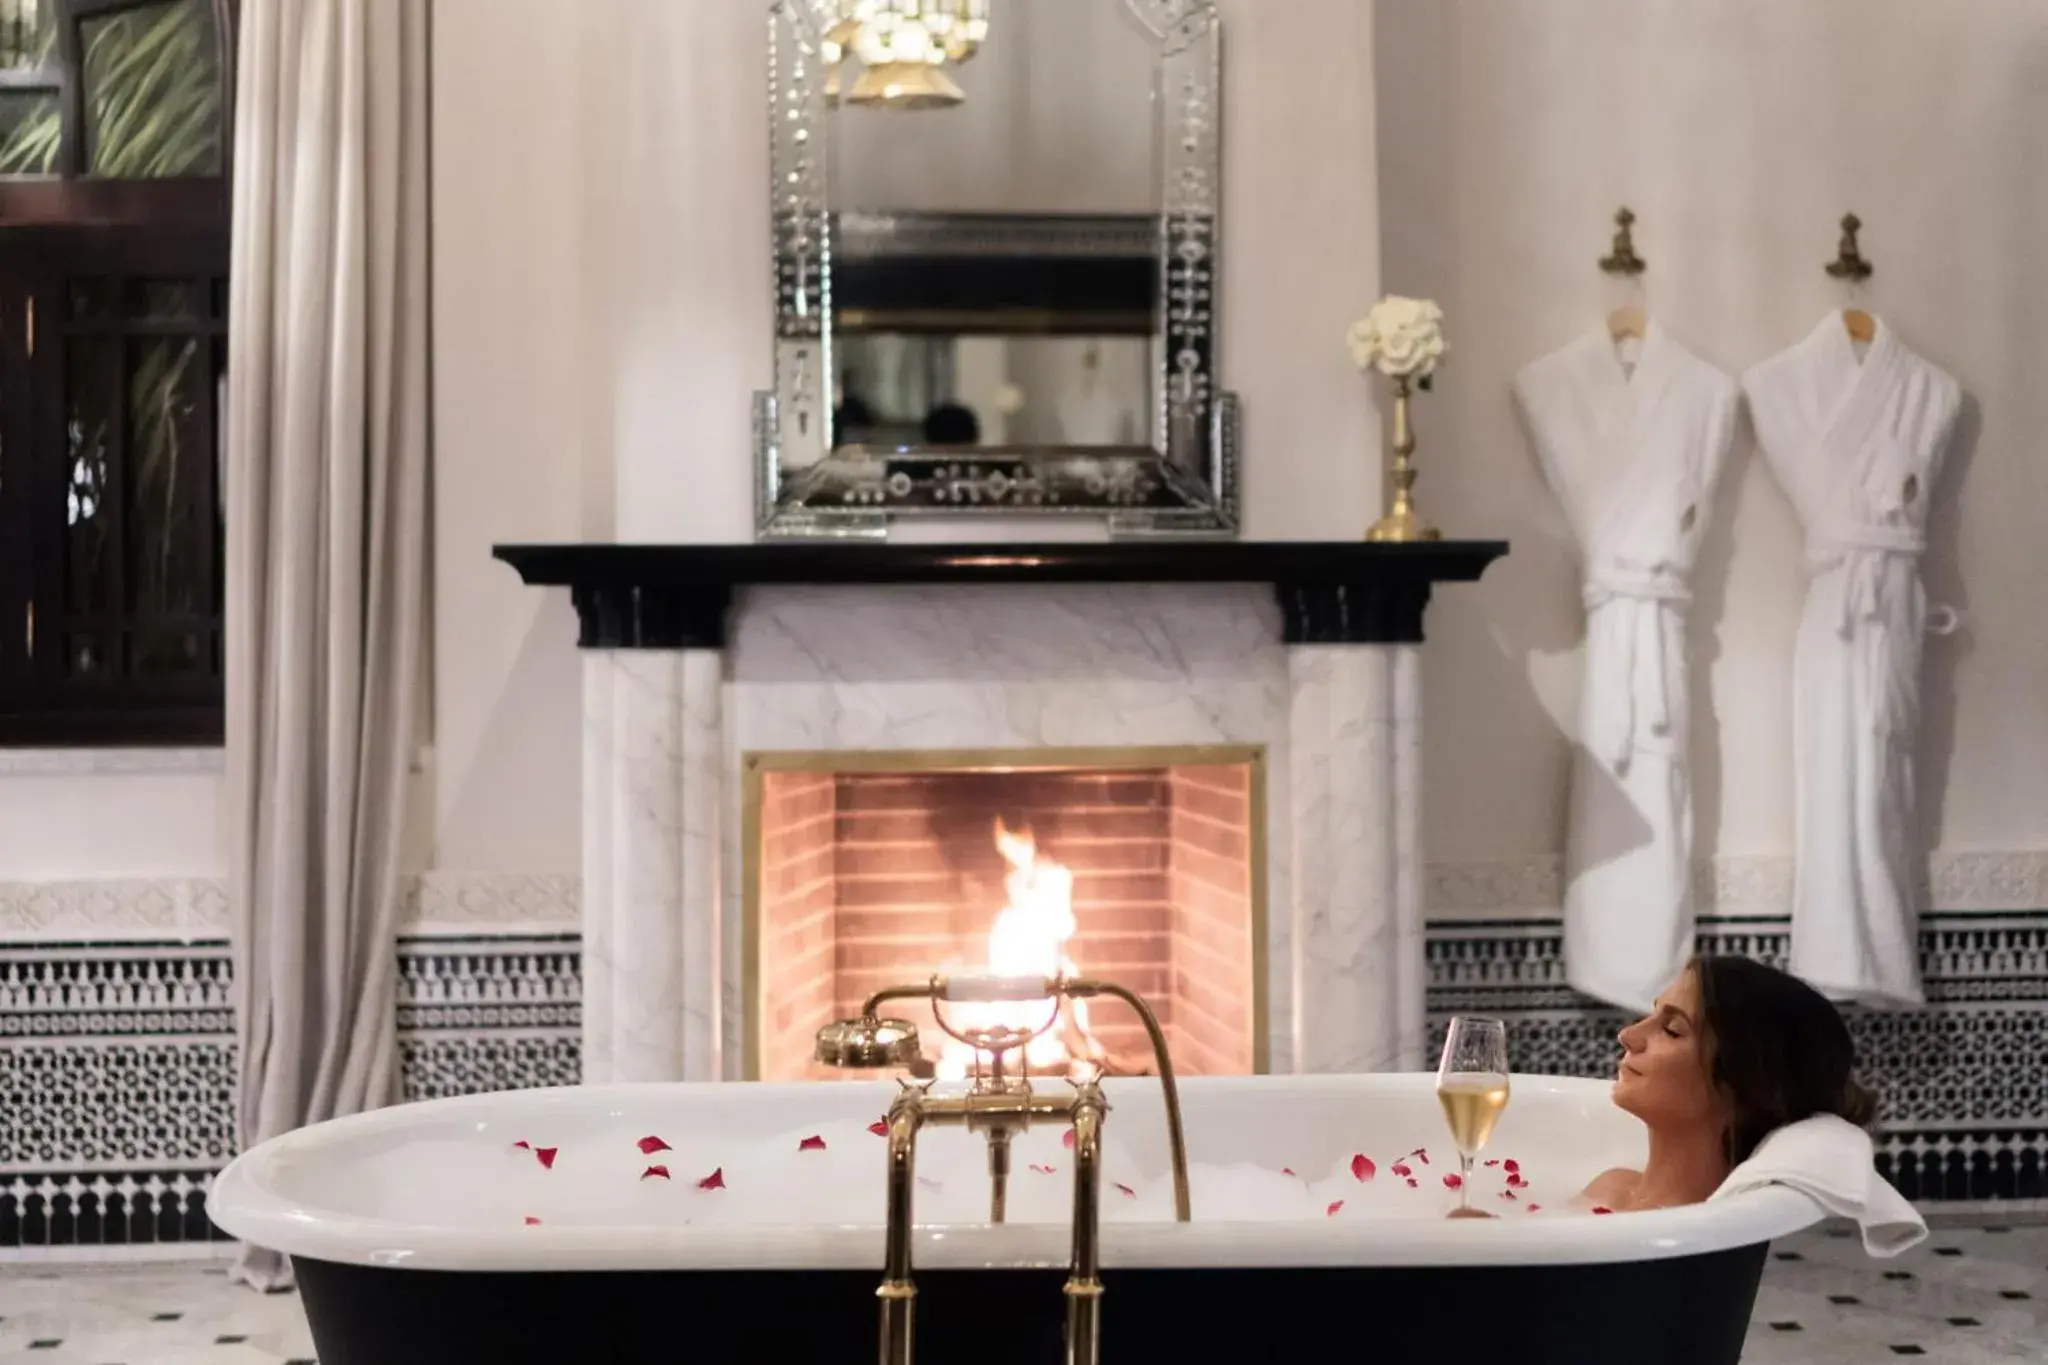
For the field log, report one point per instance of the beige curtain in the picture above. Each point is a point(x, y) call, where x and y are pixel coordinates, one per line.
point(326, 525)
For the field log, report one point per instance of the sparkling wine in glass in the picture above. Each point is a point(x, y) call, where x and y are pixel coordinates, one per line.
point(1472, 1086)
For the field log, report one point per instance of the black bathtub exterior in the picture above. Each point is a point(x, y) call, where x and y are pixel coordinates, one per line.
point(1690, 1310)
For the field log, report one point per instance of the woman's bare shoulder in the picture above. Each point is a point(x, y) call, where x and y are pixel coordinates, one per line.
point(1610, 1185)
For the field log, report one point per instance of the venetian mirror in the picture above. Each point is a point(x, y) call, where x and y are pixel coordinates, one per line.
point(995, 244)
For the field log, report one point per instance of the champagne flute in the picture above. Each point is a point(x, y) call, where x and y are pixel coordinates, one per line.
point(1472, 1086)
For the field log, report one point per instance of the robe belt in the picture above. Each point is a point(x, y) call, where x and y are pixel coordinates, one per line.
point(1862, 552)
point(1613, 735)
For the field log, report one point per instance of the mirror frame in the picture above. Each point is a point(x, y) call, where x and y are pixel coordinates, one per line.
point(1184, 484)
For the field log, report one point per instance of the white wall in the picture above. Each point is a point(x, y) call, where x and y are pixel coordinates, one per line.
point(81, 816)
point(519, 454)
point(1739, 132)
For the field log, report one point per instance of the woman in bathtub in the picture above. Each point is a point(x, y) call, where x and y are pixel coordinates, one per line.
point(1732, 1051)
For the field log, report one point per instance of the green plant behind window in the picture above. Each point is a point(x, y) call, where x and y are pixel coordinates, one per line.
point(152, 98)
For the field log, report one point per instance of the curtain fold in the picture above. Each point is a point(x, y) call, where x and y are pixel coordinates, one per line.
point(327, 464)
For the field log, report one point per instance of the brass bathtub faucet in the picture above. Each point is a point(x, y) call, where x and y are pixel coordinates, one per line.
point(998, 1105)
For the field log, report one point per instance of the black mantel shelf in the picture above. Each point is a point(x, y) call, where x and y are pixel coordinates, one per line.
point(678, 596)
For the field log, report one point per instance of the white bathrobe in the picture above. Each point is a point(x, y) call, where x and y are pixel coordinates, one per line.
point(1857, 445)
point(1633, 458)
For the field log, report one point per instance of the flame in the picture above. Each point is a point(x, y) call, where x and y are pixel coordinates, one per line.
point(1028, 938)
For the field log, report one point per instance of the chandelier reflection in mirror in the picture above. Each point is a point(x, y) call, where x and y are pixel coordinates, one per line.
point(1006, 306)
point(903, 47)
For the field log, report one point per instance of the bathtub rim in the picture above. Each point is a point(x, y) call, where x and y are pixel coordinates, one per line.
point(245, 1203)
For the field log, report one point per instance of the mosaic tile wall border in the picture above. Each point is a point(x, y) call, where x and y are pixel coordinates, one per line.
point(116, 1058)
point(117, 1068)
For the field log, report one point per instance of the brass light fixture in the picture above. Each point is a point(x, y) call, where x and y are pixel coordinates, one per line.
point(902, 46)
point(904, 85)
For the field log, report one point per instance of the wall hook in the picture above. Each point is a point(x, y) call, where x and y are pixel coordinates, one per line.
point(1849, 262)
point(1622, 260)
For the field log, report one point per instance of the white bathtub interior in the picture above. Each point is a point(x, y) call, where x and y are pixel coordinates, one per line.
point(1286, 1170)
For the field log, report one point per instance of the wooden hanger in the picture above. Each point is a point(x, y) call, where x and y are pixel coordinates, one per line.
point(1629, 320)
point(1851, 265)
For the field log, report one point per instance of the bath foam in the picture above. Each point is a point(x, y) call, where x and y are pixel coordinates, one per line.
point(832, 1174)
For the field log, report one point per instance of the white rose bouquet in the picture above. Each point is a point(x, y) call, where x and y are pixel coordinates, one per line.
point(1403, 339)
point(1400, 337)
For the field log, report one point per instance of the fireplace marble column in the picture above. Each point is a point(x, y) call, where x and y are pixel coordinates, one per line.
point(653, 797)
point(1355, 798)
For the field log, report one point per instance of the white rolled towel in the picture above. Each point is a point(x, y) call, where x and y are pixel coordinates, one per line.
point(1833, 1163)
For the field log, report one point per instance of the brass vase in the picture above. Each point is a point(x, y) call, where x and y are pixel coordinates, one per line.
point(1402, 523)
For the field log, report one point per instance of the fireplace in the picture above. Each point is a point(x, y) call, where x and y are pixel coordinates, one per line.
point(1145, 865)
point(748, 710)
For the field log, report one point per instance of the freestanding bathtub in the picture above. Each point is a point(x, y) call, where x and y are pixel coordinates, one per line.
point(715, 1223)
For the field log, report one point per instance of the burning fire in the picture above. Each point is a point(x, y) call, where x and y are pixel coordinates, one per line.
point(1029, 938)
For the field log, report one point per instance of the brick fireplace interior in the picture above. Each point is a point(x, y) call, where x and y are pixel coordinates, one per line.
point(874, 870)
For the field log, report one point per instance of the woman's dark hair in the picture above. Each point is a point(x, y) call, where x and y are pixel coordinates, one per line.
point(950, 424)
point(1776, 1049)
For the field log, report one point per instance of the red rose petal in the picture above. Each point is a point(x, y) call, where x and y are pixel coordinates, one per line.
point(523, 1145)
point(1362, 1168)
point(1288, 1170)
point(1402, 1169)
point(1043, 1170)
point(1453, 1181)
point(1511, 1167)
point(1421, 1154)
point(650, 1145)
point(714, 1181)
point(1067, 1139)
point(1516, 1182)
point(813, 1143)
point(652, 1171)
point(1129, 1193)
point(1493, 1163)
point(1602, 1208)
point(1412, 1183)
point(532, 1221)
point(547, 1157)
point(1331, 1212)
point(880, 1128)
point(1507, 1194)
point(1532, 1207)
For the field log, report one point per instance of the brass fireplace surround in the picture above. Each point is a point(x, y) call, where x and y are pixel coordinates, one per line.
point(757, 766)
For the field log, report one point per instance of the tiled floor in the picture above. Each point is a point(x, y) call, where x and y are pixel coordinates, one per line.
point(141, 1314)
point(1972, 1295)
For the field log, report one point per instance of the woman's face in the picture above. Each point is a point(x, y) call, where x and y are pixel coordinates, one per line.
point(1663, 1077)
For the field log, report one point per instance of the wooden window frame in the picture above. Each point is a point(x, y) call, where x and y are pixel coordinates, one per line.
point(111, 230)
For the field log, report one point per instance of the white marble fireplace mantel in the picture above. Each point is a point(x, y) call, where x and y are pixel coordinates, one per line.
point(698, 655)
